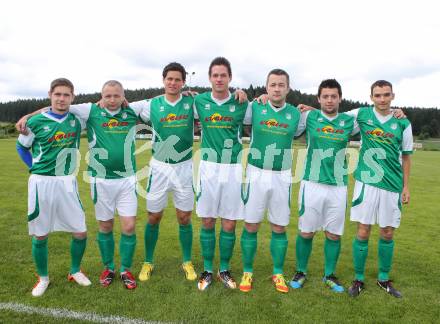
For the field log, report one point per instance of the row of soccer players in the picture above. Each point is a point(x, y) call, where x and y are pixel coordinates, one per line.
point(54, 204)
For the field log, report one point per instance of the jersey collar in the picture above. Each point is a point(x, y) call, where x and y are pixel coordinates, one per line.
point(275, 108)
point(172, 103)
point(221, 102)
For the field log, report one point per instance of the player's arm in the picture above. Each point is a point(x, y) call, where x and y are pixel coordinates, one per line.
point(407, 149)
point(302, 123)
point(20, 126)
point(142, 109)
point(23, 145)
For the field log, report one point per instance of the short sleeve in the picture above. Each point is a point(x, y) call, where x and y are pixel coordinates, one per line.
point(26, 140)
point(248, 116)
point(142, 109)
point(302, 123)
point(81, 111)
point(407, 140)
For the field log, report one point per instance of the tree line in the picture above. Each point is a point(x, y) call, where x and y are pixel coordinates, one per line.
point(425, 121)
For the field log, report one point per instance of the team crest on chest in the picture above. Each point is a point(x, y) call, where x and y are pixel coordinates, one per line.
point(46, 128)
point(103, 113)
point(232, 108)
point(72, 123)
point(207, 106)
point(264, 112)
point(342, 123)
point(186, 106)
point(162, 108)
point(320, 119)
point(370, 122)
point(124, 115)
point(288, 116)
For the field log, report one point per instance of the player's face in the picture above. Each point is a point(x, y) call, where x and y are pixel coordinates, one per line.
point(113, 96)
point(219, 79)
point(60, 99)
point(329, 100)
point(173, 82)
point(277, 89)
point(382, 97)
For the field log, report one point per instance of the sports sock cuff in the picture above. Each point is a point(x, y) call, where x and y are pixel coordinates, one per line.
point(207, 230)
point(128, 237)
point(105, 236)
point(248, 235)
point(227, 234)
point(279, 236)
point(75, 239)
point(185, 228)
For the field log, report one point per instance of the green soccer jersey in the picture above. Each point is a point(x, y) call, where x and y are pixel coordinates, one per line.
point(111, 139)
point(222, 125)
point(173, 129)
point(384, 139)
point(327, 140)
point(54, 144)
point(272, 136)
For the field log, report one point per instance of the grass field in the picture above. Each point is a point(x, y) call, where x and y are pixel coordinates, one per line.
point(169, 297)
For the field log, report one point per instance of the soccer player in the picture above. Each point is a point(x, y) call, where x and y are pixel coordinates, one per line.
point(323, 190)
point(112, 169)
point(172, 120)
point(53, 199)
point(220, 171)
point(268, 176)
point(381, 183)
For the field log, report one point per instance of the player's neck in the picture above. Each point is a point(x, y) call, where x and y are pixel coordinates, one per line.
point(277, 105)
point(220, 95)
point(172, 97)
point(59, 112)
point(383, 112)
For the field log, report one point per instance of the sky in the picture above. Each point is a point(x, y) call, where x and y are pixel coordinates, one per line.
point(90, 42)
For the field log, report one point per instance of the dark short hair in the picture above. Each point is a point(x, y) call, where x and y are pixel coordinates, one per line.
point(174, 66)
point(278, 72)
point(381, 84)
point(330, 84)
point(61, 82)
point(220, 61)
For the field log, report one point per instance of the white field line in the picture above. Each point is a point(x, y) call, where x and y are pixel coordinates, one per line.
point(61, 313)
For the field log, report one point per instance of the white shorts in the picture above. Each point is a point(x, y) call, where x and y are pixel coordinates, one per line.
point(321, 207)
point(266, 189)
point(110, 195)
point(219, 190)
point(372, 205)
point(175, 178)
point(54, 205)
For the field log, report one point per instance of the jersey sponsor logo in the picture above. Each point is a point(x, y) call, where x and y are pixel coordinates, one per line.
point(330, 130)
point(112, 123)
point(216, 117)
point(273, 123)
point(173, 117)
point(377, 132)
point(59, 136)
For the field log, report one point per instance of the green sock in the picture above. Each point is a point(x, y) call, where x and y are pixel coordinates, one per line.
point(39, 253)
point(106, 245)
point(226, 244)
point(207, 242)
point(385, 251)
point(303, 250)
point(77, 248)
point(360, 253)
point(126, 250)
point(331, 255)
point(278, 248)
point(248, 249)
point(150, 240)
point(186, 240)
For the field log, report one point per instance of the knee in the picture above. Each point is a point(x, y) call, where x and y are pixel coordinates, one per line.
point(307, 235)
point(228, 225)
point(154, 218)
point(333, 237)
point(80, 235)
point(128, 225)
point(386, 233)
point(208, 222)
point(251, 228)
point(278, 228)
point(363, 232)
point(184, 218)
point(106, 226)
